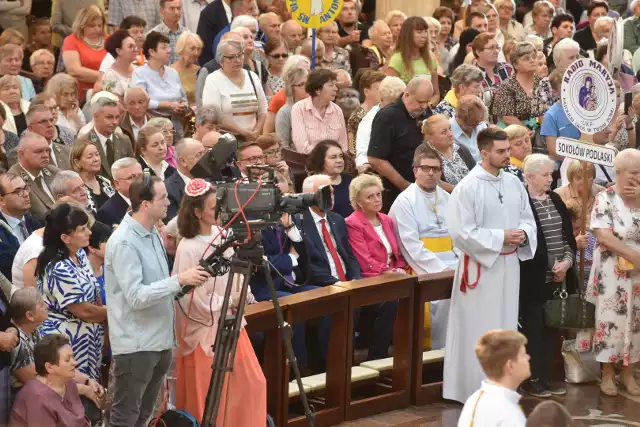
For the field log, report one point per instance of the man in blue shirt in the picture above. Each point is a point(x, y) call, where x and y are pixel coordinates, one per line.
point(555, 122)
point(141, 295)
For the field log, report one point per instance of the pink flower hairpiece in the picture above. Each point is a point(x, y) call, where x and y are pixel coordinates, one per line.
point(197, 187)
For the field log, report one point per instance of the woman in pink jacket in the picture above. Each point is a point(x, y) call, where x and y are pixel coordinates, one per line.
point(371, 233)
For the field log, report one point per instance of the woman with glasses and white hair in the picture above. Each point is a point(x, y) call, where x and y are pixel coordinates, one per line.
point(523, 97)
point(14, 106)
point(465, 80)
point(294, 83)
point(615, 220)
point(244, 116)
point(551, 266)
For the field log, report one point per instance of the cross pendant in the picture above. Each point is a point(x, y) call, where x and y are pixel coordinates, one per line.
point(500, 197)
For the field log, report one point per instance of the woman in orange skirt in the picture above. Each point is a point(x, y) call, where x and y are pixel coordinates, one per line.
point(244, 396)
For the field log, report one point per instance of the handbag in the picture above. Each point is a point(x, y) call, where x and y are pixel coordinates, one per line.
point(566, 311)
point(578, 368)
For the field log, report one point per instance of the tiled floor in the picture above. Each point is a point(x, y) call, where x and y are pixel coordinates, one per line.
point(584, 402)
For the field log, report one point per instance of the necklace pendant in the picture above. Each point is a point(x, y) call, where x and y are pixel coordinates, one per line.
point(500, 197)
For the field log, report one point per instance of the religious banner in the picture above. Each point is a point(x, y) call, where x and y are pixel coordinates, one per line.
point(314, 13)
point(588, 96)
point(615, 47)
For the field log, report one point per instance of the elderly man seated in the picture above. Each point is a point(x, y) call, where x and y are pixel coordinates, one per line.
point(124, 171)
point(136, 106)
point(68, 185)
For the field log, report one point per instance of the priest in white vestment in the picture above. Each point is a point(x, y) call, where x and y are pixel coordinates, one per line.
point(491, 224)
point(419, 213)
point(505, 361)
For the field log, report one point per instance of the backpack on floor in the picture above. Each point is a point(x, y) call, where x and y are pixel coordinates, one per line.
point(173, 418)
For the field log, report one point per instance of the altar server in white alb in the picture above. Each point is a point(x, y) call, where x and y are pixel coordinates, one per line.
point(419, 213)
point(505, 361)
point(491, 224)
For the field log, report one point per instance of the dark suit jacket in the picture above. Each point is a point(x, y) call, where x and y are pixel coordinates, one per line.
point(145, 167)
point(113, 210)
point(175, 189)
point(121, 148)
point(585, 39)
point(125, 125)
point(533, 272)
point(314, 259)
point(212, 20)
point(9, 243)
point(277, 252)
point(41, 203)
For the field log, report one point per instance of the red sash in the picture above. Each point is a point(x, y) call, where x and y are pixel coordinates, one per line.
point(464, 280)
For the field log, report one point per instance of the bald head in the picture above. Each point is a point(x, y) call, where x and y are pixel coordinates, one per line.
point(188, 152)
point(210, 139)
point(380, 34)
point(417, 94)
point(270, 23)
point(293, 34)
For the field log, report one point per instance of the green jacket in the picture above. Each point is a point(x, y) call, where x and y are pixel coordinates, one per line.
point(632, 35)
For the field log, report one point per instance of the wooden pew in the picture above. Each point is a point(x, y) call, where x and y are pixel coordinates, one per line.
point(297, 163)
point(317, 303)
point(429, 287)
point(261, 317)
point(375, 290)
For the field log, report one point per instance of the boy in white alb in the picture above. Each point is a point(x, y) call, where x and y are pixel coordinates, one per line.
point(505, 361)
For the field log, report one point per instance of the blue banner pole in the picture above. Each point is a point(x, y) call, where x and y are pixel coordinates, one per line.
point(313, 48)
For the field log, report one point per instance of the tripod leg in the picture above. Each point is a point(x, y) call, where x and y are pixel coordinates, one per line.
point(285, 330)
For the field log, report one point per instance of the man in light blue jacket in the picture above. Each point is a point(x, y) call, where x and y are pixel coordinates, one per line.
point(141, 295)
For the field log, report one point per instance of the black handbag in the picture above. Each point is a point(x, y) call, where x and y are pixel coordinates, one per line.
point(566, 311)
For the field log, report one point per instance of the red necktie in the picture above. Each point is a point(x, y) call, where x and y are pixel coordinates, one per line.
point(332, 250)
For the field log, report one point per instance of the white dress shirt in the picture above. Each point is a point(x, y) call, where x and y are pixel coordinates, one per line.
point(227, 10)
point(135, 128)
point(363, 136)
point(103, 141)
point(52, 155)
point(191, 13)
point(332, 265)
point(126, 199)
point(184, 177)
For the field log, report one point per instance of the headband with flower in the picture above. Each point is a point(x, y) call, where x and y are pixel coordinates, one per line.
point(197, 187)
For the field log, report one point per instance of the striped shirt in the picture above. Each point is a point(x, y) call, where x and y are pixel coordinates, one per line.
point(308, 127)
point(551, 225)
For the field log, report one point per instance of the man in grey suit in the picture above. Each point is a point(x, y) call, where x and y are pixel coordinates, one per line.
point(188, 152)
point(110, 145)
point(40, 121)
point(34, 169)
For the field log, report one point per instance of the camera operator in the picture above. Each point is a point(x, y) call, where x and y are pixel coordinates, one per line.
point(141, 310)
point(326, 257)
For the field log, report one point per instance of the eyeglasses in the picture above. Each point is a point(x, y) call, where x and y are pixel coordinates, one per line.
point(280, 56)
point(492, 47)
point(20, 191)
point(427, 168)
point(45, 121)
point(132, 177)
point(237, 57)
point(272, 153)
point(254, 160)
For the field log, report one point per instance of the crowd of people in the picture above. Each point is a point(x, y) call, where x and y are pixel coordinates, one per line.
point(436, 135)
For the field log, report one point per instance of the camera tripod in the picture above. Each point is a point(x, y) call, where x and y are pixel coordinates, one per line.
point(248, 255)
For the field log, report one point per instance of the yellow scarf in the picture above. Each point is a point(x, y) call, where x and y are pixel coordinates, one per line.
point(515, 162)
point(451, 98)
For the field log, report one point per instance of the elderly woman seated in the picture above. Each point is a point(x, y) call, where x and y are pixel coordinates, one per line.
point(14, 105)
point(520, 145)
point(51, 398)
point(465, 80)
point(11, 57)
point(372, 234)
point(550, 269)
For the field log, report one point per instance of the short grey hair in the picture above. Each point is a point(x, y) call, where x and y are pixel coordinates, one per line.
point(22, 301)
point(220, 49)
point(376, 28)
point(59, 183)
point(182, 145)
point(466, 74)
point(562, 46)
point(33, 110)
point(296, 61)
point(125, 162)
point(207, 114)
point(601, 21)
point(520, 50)
point(101, 103)
point(533, 39)
point(415, 83)
point(626, 159)
point(390, 89)
point(243, 21)
point(35, 56)
point(292, 78)
point(498, 3)
point(134, 91)
point(310, 182)
point(360, 183)
point(534, 163)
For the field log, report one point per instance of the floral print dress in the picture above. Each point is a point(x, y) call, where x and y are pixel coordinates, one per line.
point(66, 283)
point(615, 293)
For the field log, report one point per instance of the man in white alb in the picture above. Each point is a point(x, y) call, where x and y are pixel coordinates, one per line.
point(491, 224)
point(419, 214)
point(505, 361)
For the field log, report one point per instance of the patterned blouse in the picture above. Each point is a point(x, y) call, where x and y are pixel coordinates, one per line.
point(352, 128)
point(510, 99)
point(106, 191)
point(275, 83)
point(450, 42)
point(66, 283)
point(455, 168)
point(550, 222)
point(339, 60)
point(501, 72)
point(445, 108)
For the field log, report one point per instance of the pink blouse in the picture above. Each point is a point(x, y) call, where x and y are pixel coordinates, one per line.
point(308, 127)
point(207, 299)
point(38, 405)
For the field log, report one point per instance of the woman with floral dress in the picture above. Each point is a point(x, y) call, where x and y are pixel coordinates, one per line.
point(614, 284)
point(70, 289)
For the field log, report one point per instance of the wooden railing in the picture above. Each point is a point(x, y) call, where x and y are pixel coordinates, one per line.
point(335, 403)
